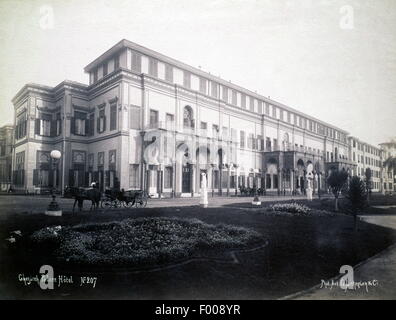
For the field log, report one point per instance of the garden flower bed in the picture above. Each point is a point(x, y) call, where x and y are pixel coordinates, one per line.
point(295, 209)
point(140, 241)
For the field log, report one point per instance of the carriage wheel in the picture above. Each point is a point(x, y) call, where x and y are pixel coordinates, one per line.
point(107, 203)
point(117, 204)
point(127, 204)
point(141, 202)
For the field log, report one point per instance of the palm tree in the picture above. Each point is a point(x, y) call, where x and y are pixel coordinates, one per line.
point(390, 164)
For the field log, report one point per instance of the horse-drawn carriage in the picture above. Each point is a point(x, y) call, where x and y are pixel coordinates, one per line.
point(114, 198)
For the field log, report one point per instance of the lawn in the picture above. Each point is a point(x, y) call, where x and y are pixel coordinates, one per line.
point(302, 250)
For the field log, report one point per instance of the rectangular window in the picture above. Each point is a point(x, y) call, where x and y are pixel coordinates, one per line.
point(116, 62)
point(153, 118)
point(267, 109)
point(225, 133)
point(187, 79)
point(215, 131)
point(168, 174)
point(79, 123)
point(105, 70)
point(101, 122)
point(251, 104)
point(113, 117)
point(268, 144)
point(170, 119)
point(214, 89)
point(44, 128)
point(243, 101)
point(242, 139)
point(45, 125)
point(20, 128)
point(225, 94)
point(202, 85)
point(234, 135)
point(250, 143)
point(153, 68)
point(168, 73)
point(273, 111)
point(136, 62)
point(95, 75)
point(260, 107)
point(134, 176)
point(234, 100)
point(260, 143)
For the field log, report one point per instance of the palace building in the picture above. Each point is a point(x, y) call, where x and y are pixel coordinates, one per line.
point(147, 121)
point(367, 156)
point(6, 143)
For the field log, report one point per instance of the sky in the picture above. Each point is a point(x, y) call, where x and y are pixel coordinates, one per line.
point(334, 60)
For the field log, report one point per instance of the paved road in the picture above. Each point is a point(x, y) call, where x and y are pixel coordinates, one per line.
point(381, 268)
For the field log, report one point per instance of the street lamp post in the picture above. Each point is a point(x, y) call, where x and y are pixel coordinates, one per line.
point(53, 208)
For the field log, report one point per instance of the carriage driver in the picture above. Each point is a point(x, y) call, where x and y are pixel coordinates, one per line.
point(95, 185)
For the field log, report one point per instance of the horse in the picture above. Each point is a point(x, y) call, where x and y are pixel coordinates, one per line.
point(81, 194)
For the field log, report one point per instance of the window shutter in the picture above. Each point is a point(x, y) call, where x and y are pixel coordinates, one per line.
point(72, 125)
point(91, 125)
point(60, 126)
point(87, 123)
point(53, 128)
point(35, 177)
point(37, 126)
point(104, 123)
point(98, 125)
point(24, 126)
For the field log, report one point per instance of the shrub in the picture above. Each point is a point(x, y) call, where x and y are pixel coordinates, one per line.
point(291, 208)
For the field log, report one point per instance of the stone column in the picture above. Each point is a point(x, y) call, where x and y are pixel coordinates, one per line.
point(280, 180)
point(229, 178)
point(193, 170)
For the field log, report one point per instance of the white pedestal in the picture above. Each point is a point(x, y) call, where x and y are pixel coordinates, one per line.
point(309, 194)
point(54, 213)
point(203, 202)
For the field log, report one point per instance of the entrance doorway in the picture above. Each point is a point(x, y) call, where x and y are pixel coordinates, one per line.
point(186, 179)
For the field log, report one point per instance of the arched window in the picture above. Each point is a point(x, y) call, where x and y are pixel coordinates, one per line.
point(188, 117)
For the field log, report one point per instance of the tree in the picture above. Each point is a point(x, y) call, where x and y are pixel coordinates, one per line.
point(356, 194)
point(368, 174)
point(336, 181)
